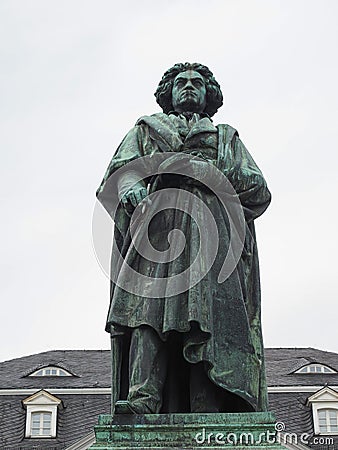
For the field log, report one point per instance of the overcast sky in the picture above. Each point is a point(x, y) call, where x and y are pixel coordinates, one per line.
point(75, 76)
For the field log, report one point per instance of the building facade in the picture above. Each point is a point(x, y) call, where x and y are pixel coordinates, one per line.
point(52, 400)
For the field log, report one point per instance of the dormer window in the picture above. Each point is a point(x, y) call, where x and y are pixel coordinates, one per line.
point(41, 416)
point(324, 405)
point(51, 371)
point(315, 368)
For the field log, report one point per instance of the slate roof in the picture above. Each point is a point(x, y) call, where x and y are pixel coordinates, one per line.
point(76, 418)
point(292, 408)
point(296, 415)
point(78, 414)
point(91, 369)
point(281, 363)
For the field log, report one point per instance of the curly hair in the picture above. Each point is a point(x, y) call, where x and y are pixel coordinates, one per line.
point(214, 97)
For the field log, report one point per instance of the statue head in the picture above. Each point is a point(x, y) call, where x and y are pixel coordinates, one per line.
point(189, 87)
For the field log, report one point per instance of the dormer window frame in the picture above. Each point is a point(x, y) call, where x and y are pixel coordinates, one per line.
point(42, 402)
point(306, 370)
point(31, 413)
point(326, 399)
point(328, 418)
point(51, 371)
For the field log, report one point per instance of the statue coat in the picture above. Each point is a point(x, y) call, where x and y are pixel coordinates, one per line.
point(220, 322)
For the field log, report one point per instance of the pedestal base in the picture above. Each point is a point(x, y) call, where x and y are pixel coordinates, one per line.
point(186, 431)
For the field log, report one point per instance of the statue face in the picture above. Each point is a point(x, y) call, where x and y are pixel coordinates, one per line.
point(189, 92)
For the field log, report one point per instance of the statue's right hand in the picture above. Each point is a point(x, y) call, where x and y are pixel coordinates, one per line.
point(133, 197)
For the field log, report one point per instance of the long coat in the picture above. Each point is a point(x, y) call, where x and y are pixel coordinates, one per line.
point(227, 332)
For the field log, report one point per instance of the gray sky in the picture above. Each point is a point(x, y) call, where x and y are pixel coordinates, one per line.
point(75, 75)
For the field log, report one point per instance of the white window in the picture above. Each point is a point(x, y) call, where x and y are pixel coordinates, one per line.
point(328, 420)
point(315, 368)
point(41, 424)
point(41, 417)
point(51, 371)
point(324, 405)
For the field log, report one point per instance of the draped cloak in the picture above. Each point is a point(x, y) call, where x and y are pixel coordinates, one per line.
point(228, 336)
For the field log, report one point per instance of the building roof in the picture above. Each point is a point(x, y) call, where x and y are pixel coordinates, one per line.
point(76, 419)
point(281, 363)
point(91, 368)
point(291, 409)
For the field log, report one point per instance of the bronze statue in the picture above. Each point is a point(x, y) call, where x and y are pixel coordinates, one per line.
point(199, 349)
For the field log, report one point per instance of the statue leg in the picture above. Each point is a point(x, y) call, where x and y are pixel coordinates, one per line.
point(147, 371)
point(116, 361)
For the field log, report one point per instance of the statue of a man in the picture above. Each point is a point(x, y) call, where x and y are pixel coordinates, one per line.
point(199, 350)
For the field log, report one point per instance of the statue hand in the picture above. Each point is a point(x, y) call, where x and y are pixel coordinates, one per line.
point(133, 196)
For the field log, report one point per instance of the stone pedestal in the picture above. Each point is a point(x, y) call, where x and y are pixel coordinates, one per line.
point(186, 431)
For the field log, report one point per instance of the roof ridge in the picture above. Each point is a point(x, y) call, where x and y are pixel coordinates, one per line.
point(300, 348)
point(55, 351)
point(69, 351)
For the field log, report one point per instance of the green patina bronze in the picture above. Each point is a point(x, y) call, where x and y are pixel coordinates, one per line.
point(200, 351)
point(187, 432)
